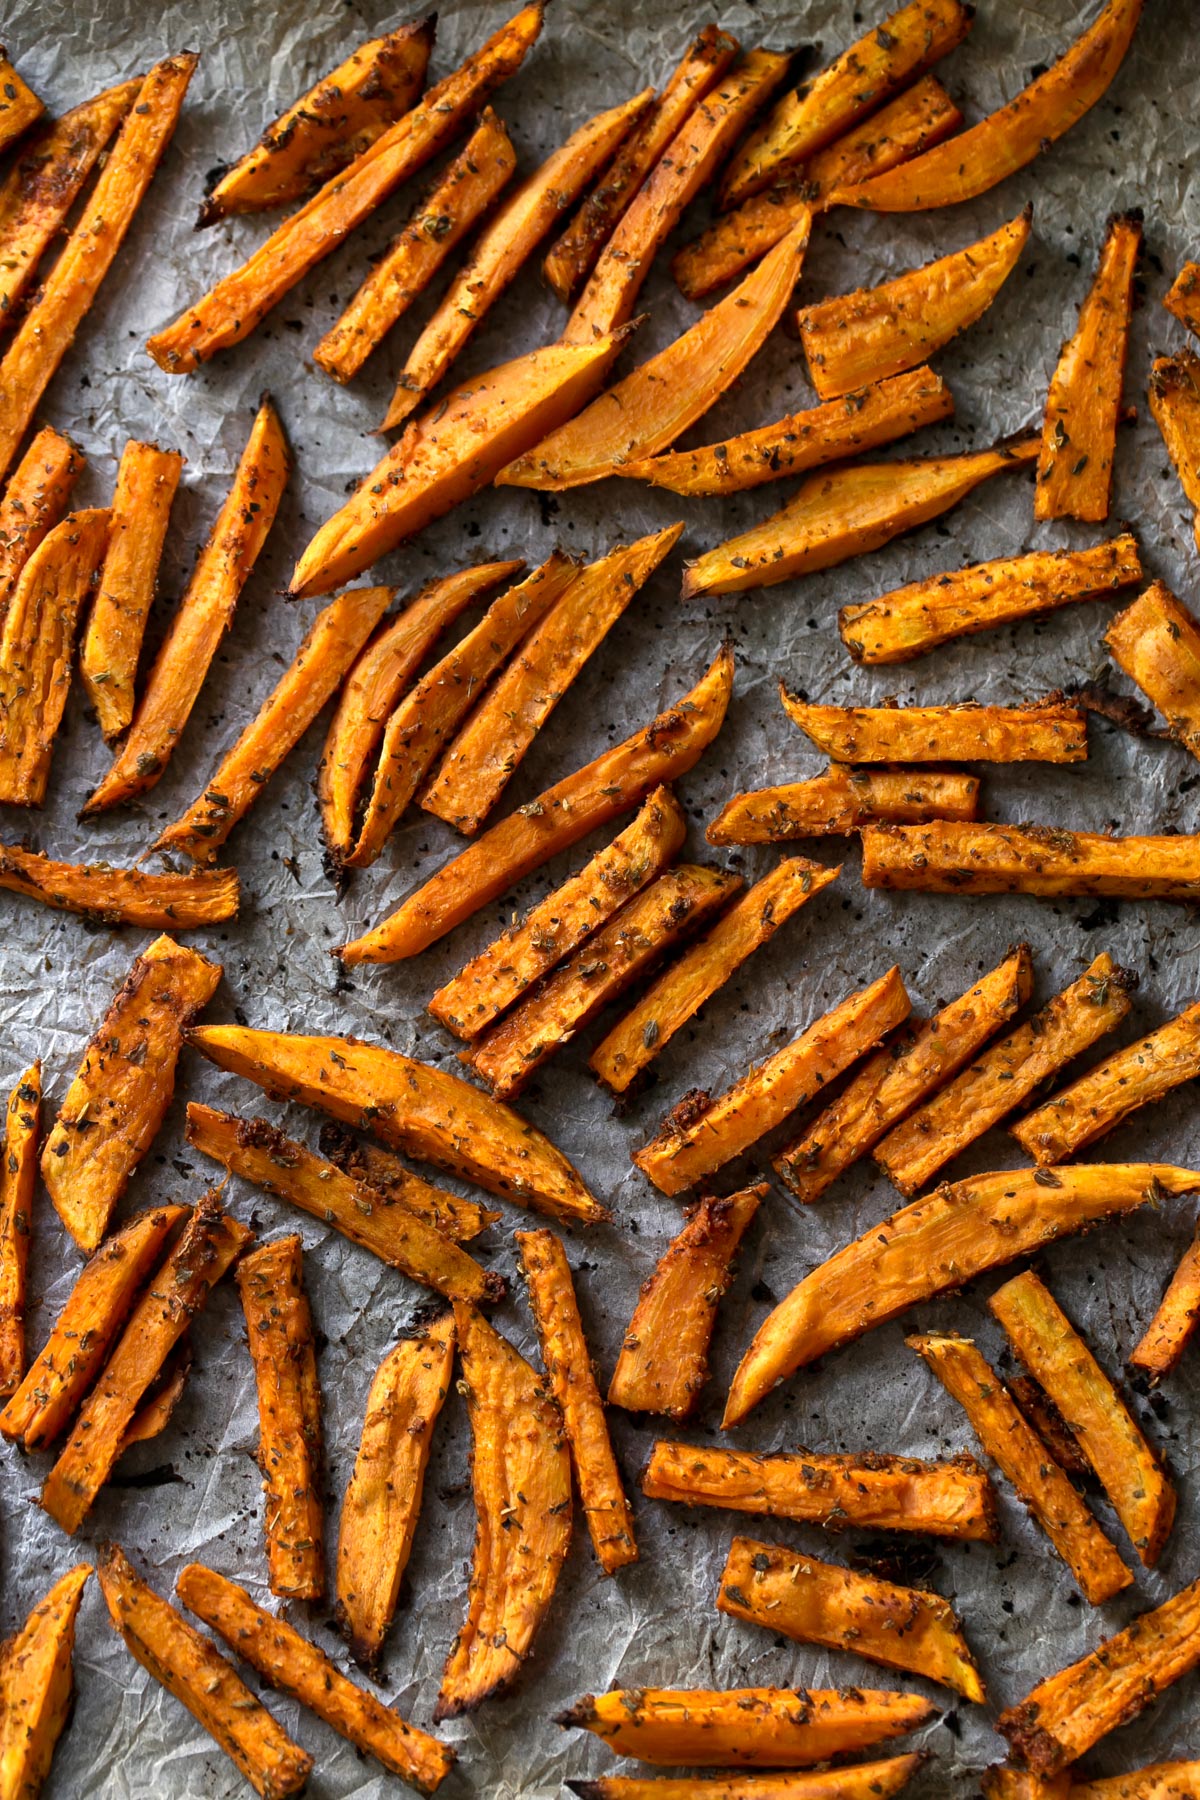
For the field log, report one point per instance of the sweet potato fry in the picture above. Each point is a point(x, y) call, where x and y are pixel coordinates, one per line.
point(861, 1781)
point(18, 1177)
point(19, 105)
point(489, 748)
point(847, 513)
point(1006, 140)
point(521, 1480)
point(383, 1500)
point(703, 1134)
point(900, 1076)
point(950, 858)
point(154, 1414)
point(147, 478)
point(119, 1098)
point(566, 1001)
point(887, 1493)
point(372, 1167)
point(937, 1244)
point(1157, 1781)
point(440, 221)
point(328, 128)
point(1183, 298)
point(1023, 1458)
point(121, 896)
point(841, 800)
point(1166, 1337)
point(615, 781)
point(1048, 1424)
point(818, 1603)
point(1004, 1781)
point(209, 1243)
point(1156, 640)
point(193, 1669)
point(295, 1666)
point(34, 500)
point(681, 990)
point(36, 1682)
point(1061, 1363)
point(914, 619)
point(1049, 730)
point(240, 301)
point(1175, 402)
point(568, 1364)
point(663, 1364)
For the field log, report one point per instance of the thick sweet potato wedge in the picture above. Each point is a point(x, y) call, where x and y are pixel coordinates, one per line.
point(230, 311)
point(622, 951)
point(663, 1365)
point(372, 1167)
point(383, 1500)
point(1049, 730)
point(18, 1177)
point(847, 513)
point(36, 1686)
point(703, 1134)
point(900, 1076)
point(615, 781)
point(1157, 1781)
point(568, 1364)
point(521, 1480)
point(19, 105)
point(818, 1603)
point(121, 896)
point(193, 1669)
point(1024, 1459)
point(1006, 140)
point(681, 990)
point(1060, 1362)
point(34, 500)
point(1156, 641)
point(1183, 297)
point(1174, 394)
point(119, 1098)
point(429, 1113)
point(1166, 1337)
point(914, 619)
point(842, 799)
point(861, 1781)
point(950, 858)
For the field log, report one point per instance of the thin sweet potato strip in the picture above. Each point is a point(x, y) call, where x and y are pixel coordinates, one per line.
point(18, 1177)
point(663, 1364)
point(36, 1686)
point(383, 1500)
point(1060, 1362)
point(568, 1366)
point(373, 1167)
point(951, 858)
point(841, 800)
point(1183, 297)
point(1049, 730)
point(121, 896)
point(860, 1781)
point(1024, 1460)
point(681, 990)
point(1157, 1781)
point(521, 1480)
point(1166, 1337)
point(937, 1244)
point(1156, 641)
point(118, 1100)
point(19, 105)
point(34, 500)
point(703, 1134)
point(818, 1603)
point(1174, 394)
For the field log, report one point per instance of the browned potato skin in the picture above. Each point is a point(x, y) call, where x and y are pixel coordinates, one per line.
point(18, 1178)
point(376, 1168)
point(121, 896)
point(19, 105)
point(841, 800)
point(951, 858)
point(34, 500)
point(36, 1686)
point(1166, 1337)
point(1156, 641)
point(1049, 730)
point(1183, 298)
point(862, 1781)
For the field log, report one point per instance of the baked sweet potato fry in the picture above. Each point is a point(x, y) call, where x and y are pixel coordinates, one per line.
point(860, 1781)
point(568, 1364)
point(914, 619)
point(121, 896)
point(901, 1075)
point(1026, 1462)
point(1174, 394)
point(1166, 1337)
point(1156, 640)
point(950, 858)
point(34, 500)
point(935, 1245)
point(663, 1364)
point(1049, 730)
point(19, 105)
point(1005, 1781)
point(842, 799)
point(383, 1500)
point(372, 1167)
point(1157, 1781)
point(18, 1177)
point(818, 1603)
point(193, 1669)
point(230, 311)
point(701, 1134)
point(118, 1100)
point(521, 1481)
point(615, 781)
point(1048, 1424)
point(154, 1414)
point(36, 1686)
point(847, 513)
point(1183, 297)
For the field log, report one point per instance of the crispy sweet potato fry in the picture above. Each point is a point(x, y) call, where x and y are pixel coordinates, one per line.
point(600, 791)
point(117, 1101)
point(1049, 730)
point(1156, 640)
point(950, 858)
point(34, 500)
point(818, 1603)
point(900, 1076)
point(703, 1134)
point(847, 513)
point(1006, 140)
point(521, 1480)
point(372, 1167)
point(568, 1366)
point(19, 105)
point(1157, 1781)
point(1183, 298)
point(1166, 1337)
point(383, 1500)
point(489, 748)
point(663, 1365)
point(1023, 1458)
point(240, 301)
point(121, 896)
point(18, 1177)
point(914, 619)
point(861, 1781)
point(193, 1669)
point(36, 1683)
point(1175, 402)
point(841, 800)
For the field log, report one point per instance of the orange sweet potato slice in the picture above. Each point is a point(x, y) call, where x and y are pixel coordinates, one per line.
point(34, 500)
point(859, 1781)
point(154, 1414)
point(374, 1167)
point(1175, 403)
point(1157, 1781)
point(18, 1177)
point(1156, 641)
point(1005, 1781)
point(1166, 1337)
point(121, 896)
point(1049, 730)
point(19, 105)
point(1183, 297)
point(949, 858)
point(841, 800)
point(36, 1683)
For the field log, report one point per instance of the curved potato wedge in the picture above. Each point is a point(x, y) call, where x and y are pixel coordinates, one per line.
point(861, 1781)
point(1183, 299)
point(842, 799)
point(374, 1167)
point(18, 1178)
point(1175, 403)
point(121, 896)
point(950, 858)
point(36, 1683)
point(19, 105)
point(1049, 730)
point(1156, 641)
point(34, 500)
point(1166, 1337)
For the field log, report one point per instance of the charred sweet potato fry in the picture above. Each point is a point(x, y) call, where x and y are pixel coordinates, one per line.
point(847, 513)
point(900, 1076)
point(1175, 403)
point(703, 1134)
point(383, 1500)
point(1166, 1337)
point(372, 1167)
point(117, 1101)
point(860, 1781)
point(1024, 1459)
point(18, 1177)
point(36, 1683)
point(914, 619)
point(1157, 1781)
point(1049, 730)
point(1156, 641)
point(841, 800)
point(568, 1366)
point(121, 896)
point(663, 1365)
point(818, 1603)
point(615, 781)
point(950, 858)
point(961, 1230)
point(34, 500)
point(1183, 297)
point(521, 1480)
point(19, 105)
